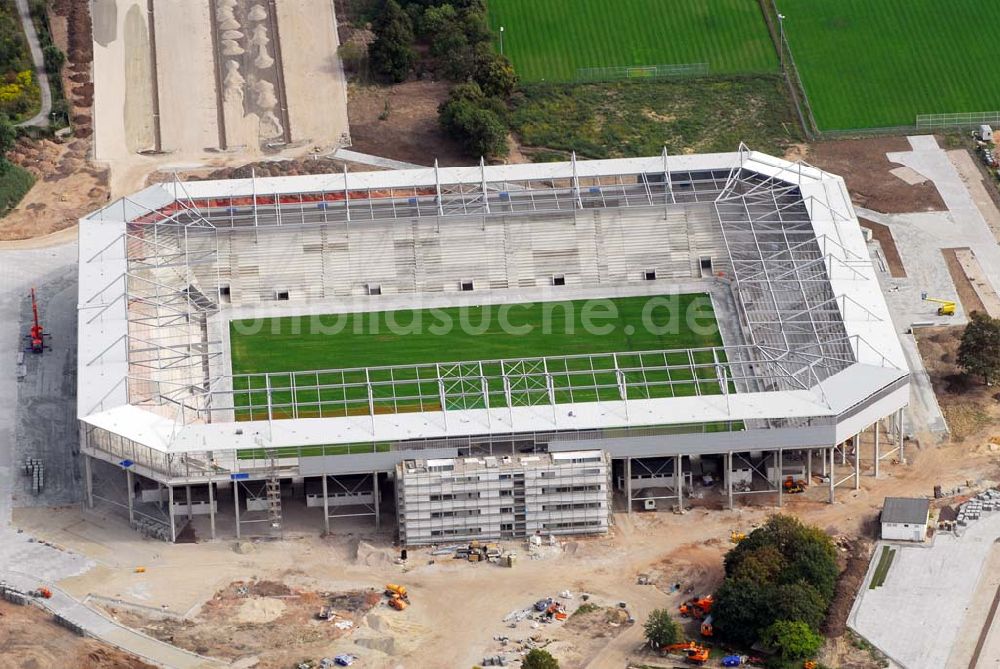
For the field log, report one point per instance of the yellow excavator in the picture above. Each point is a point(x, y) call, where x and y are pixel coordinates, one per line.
point(947, 307)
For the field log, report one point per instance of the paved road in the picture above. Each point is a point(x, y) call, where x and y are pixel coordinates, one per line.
point(102, 627)
point(41, 119)
point(19, 553)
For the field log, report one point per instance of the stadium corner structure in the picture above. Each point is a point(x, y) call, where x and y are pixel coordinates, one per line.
point(450, 448)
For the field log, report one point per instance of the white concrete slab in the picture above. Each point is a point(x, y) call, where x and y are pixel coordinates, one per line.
point(916, 616)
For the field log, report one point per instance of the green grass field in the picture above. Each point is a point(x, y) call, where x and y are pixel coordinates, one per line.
point(551, 40)
point(418, 340)
point(625, 118)
point(877, 64)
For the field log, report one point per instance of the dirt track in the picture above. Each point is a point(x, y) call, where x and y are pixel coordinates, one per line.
point(28, 638)
point(865, 168)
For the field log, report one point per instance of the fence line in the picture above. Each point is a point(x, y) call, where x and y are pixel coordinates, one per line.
point(642, 72)
point(961, 119)
point(789, 69)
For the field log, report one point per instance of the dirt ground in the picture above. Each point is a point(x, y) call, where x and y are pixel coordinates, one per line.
point(266, 620)
point(863, 164)
point(884, 236)
point(971, 408)
point(22, 629)
point(966, 292)
point(67, 187)
point(401, 122)
point(446, 594)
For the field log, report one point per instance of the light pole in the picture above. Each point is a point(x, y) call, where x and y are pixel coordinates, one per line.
point(501, 40)
point(781, 40)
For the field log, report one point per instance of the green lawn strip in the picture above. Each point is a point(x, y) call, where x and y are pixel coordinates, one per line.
point(552, 40)
point(882, 568)
point(15, 182)
point(878, 64)
point(314, 451)
point(629, 119)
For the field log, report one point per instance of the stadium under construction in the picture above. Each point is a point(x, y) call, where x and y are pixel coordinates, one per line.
point(454, 445)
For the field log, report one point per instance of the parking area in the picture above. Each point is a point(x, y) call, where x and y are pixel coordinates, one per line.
point(934, 603)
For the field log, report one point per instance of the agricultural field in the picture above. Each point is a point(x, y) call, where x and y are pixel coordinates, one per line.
point(871, 64)
point(551, 40)
point(421, 338)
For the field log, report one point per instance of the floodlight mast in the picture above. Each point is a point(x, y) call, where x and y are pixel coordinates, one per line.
point(781, 40)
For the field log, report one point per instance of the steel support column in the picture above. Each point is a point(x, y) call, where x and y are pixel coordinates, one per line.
point(628, 485)
point(877, 455)
point(729, 478)
point(857, 461)
point(809, 466)
point(211, 507)
point(781, 478)
point(326, 507)
point(170, 511)
point(899, 436)
point(236, 503)
point(88, 481)
point(833, 460)
point(130, 494)
point(375, 495)
point(679, 482)
point(187, 490)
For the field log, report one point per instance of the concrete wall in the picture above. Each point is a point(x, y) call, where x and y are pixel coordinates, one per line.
point(904, 532)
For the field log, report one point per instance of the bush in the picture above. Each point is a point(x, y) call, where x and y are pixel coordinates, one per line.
point(15, 182)
point(495, 74)
point(792, 640)
point(539, 659)
point(391, 53)
point(54, 58)
point(661, 630)
point(477, 121)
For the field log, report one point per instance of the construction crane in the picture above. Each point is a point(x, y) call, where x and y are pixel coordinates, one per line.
point(947, 307)
point(38, 334)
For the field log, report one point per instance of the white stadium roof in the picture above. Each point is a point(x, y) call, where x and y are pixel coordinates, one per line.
point(130, 374)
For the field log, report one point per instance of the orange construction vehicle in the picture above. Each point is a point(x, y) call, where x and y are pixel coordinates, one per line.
point(391, 589)
point(792, 486)
point(695, 653)
point(697, 607)
point(398, 602)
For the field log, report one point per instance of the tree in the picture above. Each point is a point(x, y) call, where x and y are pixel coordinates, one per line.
point(800, 602)
point(740, 610)
point(539, 659)
point(392, 53)
point(476, 120)
point(979, 352)
point(792, 639)
point(661, 629)
point(494, 73)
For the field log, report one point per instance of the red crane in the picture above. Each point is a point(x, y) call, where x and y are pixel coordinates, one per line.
point(37, 335)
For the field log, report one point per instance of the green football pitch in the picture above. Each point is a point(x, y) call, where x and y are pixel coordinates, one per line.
point(871, 64)
point(413, 342)
point(551, 39)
